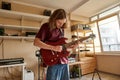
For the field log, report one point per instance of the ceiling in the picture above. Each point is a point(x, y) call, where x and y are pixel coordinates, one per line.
point(86, 8)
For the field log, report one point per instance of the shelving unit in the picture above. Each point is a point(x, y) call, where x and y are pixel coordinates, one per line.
point(15, 22)
point(19, 29)
point(85, 51)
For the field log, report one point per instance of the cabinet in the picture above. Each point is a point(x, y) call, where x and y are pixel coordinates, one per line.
point(86, 50)
point(14, 26)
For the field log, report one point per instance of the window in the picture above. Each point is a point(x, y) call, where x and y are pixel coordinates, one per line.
point(110, 34)
point(108, 12)
point(96, 40)
point(105, 13)
point(94, 18)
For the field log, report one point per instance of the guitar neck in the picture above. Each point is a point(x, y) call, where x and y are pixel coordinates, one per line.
point(76, 41)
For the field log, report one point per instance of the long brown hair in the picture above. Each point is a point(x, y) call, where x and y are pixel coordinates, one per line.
point(57, 14)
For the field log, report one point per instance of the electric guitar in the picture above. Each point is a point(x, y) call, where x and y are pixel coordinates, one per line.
point(50, 57)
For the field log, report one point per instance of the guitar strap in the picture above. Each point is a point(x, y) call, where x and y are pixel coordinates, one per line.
point(63, 60)
point(62, 32)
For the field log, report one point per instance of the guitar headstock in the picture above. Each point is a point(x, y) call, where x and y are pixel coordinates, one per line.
point(92, 36)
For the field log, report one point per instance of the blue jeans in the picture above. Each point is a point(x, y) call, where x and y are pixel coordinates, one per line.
point(58, 72)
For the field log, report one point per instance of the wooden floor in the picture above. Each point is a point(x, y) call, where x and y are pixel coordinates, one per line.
point(104, 76)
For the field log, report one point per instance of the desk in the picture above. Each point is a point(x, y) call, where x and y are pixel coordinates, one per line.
point(14, 65)
point(77, 63)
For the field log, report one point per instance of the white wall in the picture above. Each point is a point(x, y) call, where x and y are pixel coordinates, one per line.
point(109, 63)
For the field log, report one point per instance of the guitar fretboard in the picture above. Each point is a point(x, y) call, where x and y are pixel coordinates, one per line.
point(76, 41)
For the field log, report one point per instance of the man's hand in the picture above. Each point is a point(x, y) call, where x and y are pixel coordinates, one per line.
point(57, 48)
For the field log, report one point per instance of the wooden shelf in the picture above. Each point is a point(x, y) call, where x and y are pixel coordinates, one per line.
point(87, 49)
point(16, 37)
point(19, 27)
point(19, 15)
point(83, 31)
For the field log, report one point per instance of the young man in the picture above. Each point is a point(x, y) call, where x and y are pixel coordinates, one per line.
point(53, 31)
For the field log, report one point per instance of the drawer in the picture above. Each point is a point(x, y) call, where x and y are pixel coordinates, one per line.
point(87, 65)
point(88, 59)
point(88, 70)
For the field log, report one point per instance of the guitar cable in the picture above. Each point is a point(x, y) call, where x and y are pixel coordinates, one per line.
point(2, 45)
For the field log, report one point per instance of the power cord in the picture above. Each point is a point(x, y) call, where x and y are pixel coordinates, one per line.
point(2, 45)
point(38, 54)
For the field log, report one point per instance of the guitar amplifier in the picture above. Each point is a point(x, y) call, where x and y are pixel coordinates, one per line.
point(6, 5)
point(47, 12)
point(2, 31)
point(30, 33)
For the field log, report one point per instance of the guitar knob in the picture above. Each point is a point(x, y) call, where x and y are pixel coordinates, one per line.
point(52, 60)
point(57, 55)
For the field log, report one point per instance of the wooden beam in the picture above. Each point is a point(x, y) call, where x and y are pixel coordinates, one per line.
point(78, 5)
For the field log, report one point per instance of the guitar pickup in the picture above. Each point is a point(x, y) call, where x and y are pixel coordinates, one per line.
point(63, 47)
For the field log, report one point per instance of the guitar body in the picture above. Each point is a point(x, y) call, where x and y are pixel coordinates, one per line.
point(51, 57)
